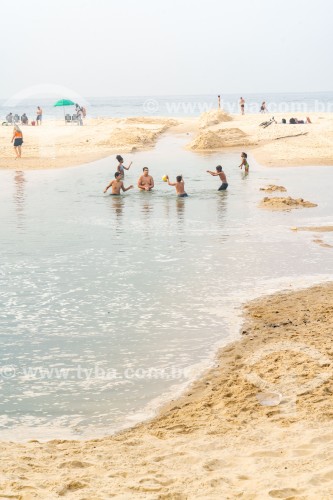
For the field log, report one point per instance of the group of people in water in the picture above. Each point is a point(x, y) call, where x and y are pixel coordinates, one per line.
point(146, 181)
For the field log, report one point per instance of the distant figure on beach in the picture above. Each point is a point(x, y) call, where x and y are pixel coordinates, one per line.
point(263, 108)
point(24, 119)
point(121, 167)
point(117, 185)
point(82, 109)
point(179, 185)
point(9, 118)
point(242, 105)
point(18, 140)
point(39, 116)
point(145, 182)
point(244, 163)
point(79, 117)
point(219, 172)
point(80, 113)
point(219, 102)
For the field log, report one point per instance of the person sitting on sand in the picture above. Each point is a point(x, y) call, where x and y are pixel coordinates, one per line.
point(117, 185)
point(121, 167)
point(145, 182)
point(244, 163)
point(24, 119)
point(179, 185)
point(219, 172)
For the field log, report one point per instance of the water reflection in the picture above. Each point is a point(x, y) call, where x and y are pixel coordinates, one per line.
point(19, 197)
point(117, 206)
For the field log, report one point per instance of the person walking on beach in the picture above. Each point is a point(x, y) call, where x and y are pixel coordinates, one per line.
point(117, 185)
point(263, 108)
point(121, 167)
point(242, 105)
point(39, 114)
point(219, 172)
point(244, 163)
point(179, 185)
point(18, 140)
point(219, 102)
point(145, 182)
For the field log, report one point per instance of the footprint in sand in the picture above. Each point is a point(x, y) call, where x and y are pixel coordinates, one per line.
point(75, 464)
point(284, 493)
point(319, 479)
point(214, 465)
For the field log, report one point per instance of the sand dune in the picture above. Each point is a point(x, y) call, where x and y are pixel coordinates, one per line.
point(219, 139)
point(213, 117)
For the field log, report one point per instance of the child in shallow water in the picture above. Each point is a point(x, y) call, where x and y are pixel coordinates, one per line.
point(244, 163)
point(179, 185)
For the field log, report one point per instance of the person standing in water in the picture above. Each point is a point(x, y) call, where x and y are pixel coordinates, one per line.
point(18, 140)
point(244, 163)
point(219, 172)
point(242, 105)
point(145, 182)
point(219, 102)
point(121, 167)
point(263, 108)
point(117, 185)
point(179, 185)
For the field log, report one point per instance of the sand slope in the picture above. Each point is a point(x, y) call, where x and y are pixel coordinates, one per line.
point(217, 442)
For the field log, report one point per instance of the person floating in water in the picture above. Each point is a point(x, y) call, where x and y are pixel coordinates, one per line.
point(179, 185)
point(244, 163)
point(117, 185)
point(145, 182)
point(219, 172)
point(121, 167)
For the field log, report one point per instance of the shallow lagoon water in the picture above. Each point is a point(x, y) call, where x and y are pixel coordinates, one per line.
point(107, 302)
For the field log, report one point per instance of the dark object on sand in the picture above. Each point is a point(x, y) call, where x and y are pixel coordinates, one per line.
point(268, 123)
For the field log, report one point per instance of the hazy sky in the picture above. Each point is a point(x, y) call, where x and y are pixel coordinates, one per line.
point(156, 47)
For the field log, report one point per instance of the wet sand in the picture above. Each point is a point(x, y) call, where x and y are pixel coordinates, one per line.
point(217, 441)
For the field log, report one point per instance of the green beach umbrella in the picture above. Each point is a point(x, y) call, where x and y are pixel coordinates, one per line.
point(63, 103)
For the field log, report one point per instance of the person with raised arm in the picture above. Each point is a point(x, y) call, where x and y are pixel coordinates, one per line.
point(179, 185)
point(219, 173)
point(117, 185)
point(121, 167)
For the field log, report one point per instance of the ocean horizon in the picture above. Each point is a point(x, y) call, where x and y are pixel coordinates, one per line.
point(170, 105)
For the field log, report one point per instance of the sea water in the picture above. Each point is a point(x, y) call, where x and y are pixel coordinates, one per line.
point(301, 104)
point(110, 304)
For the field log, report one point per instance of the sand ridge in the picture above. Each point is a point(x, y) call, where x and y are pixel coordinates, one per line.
point(271, 188)
point(285, 203)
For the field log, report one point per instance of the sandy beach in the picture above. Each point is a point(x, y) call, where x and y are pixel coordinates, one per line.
point(218, 440)
point(55, 144)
